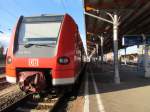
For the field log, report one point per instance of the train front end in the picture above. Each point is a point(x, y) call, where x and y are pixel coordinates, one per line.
point(32, 52)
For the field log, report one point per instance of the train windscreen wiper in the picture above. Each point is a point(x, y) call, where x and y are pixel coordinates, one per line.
point(27, 45)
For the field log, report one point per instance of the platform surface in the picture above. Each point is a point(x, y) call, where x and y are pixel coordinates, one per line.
point(103, 95)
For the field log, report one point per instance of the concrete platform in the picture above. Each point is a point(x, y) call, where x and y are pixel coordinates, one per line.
point(103, 95)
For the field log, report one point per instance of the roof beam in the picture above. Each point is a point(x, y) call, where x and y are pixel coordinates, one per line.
point(97, 17)
point(138, 13)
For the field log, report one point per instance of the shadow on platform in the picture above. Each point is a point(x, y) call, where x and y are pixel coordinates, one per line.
point(129, 76)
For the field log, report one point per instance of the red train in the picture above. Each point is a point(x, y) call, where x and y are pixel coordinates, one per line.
point(45, 52)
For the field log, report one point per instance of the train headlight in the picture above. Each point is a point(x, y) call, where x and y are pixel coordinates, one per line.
point(9, 60)
point(63, 60)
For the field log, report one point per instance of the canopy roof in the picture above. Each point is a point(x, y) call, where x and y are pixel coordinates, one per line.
point(134, 20)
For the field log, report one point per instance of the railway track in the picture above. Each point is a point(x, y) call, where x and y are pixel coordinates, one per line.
point(3, 83)
point(28, 104)
point(2, 69)
point(48, 103)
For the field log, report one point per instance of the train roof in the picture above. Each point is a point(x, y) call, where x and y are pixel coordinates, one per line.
point(43, 18)
point(45, 15)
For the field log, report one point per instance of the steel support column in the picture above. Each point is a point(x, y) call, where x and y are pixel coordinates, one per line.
point(94, 50)
point(97, 50)
point(146, 59)
point(115, 41)
point(115, 22)
point(125, 58)
point(102, 42)
point(102, 54)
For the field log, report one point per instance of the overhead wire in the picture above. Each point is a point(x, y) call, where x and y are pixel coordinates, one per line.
point(18, 4)
point(64, 7)
point(8, 12)
point(3, 28)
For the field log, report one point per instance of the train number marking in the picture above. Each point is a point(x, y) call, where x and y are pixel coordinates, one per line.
point(33, 62)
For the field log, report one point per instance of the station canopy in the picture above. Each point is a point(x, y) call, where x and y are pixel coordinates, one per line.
point(134, 20)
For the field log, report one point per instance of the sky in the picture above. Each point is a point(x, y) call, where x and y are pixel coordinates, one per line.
point(11, 10)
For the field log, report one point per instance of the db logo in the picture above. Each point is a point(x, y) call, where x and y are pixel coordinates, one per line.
point(33, 62)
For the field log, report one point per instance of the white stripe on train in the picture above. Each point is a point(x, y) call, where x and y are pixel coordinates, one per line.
point(58, 81)
point(11, 79)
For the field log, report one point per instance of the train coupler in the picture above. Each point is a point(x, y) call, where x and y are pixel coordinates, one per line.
point(31, 81)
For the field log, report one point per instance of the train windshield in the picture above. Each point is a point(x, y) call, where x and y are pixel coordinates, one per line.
point(39, 30)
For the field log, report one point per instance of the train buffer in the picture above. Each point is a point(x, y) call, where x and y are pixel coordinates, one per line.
point(101, 94)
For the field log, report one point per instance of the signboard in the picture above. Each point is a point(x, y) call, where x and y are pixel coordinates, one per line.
point(148, 39)
point(130, 40)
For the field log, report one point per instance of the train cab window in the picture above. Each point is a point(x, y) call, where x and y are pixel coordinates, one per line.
point(39, 30)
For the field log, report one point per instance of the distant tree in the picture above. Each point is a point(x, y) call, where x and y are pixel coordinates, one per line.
point(1, 52)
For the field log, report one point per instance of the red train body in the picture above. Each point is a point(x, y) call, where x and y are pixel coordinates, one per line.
point(44, 49)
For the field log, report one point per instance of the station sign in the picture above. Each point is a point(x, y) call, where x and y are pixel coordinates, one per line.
point(130, 40)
